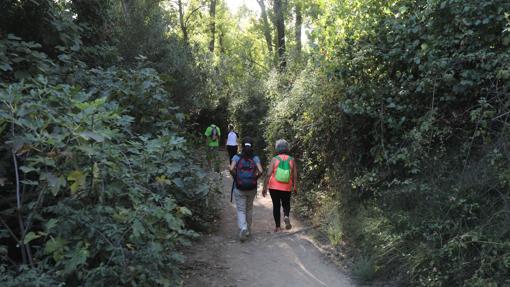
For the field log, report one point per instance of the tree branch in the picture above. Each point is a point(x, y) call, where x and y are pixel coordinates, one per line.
point(10, 230)
point(25, 253)
point(191, 14)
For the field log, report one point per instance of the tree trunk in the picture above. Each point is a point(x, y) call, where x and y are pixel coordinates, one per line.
point(298, 26)
point(126, 8)
point(221, 43)
point(212, 14)
point(182, 23)
point(280, 34)
point(267, 28)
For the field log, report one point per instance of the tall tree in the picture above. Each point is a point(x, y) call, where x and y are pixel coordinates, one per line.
point(221, 42)
point(182, 22)
point(126, 9)
point(267, 28)
point(298, 25)
point(212, 14)
point(280, 33)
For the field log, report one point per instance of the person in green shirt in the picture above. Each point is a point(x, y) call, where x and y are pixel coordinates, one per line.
point(212, 134)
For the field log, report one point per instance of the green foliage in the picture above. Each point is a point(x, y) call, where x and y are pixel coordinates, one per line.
point(403, 125)
point(108, 190)
point(46, 22)
point(398, 120)
point(248, 111)
point(111, 196)
point(363, 269)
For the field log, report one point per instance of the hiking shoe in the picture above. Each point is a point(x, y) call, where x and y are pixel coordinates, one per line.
point(287, 223)
point(243, 235)
point(277, 229)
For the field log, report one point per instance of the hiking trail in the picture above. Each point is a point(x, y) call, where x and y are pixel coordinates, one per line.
point(289, 258)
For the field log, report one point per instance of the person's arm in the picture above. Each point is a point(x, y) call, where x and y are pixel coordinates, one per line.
point(294, 175)
point(268, 176)
point(260, 170)
point(207, 134)
point(232, 168)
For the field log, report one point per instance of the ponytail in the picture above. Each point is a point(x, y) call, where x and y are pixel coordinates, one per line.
point(247, 149)
point(247, 152)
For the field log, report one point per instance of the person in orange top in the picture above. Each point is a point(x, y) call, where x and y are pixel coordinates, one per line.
point(281, 180)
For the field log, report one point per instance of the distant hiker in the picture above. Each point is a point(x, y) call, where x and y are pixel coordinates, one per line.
point(212, 134)
point(232, 139)
point(281, 180)
point(246, 169)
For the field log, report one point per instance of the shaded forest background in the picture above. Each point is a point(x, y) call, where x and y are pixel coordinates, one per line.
point(397, 111)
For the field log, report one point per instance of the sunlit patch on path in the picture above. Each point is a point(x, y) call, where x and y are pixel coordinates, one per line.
point(268, 259)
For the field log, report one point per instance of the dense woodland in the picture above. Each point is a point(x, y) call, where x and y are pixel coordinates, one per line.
point(397, 111)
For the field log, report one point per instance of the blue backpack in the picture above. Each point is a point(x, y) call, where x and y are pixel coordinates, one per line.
point(246, 174)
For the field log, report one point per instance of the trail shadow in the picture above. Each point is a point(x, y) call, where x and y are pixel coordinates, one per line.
point(266, 259)
point(275, 259)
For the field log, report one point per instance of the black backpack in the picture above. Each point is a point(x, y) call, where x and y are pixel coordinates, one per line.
point(214, 133)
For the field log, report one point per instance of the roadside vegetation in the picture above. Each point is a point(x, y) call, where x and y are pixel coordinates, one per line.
point(397, 112)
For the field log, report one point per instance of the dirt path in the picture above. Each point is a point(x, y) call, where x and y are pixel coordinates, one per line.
point(284, 259)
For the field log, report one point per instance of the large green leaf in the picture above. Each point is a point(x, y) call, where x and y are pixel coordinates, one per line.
point(56, 247)
point(78, 178)
point(78, 257)
point(92, 135)
point(52, 223)
point(55, 183)
point(30, 236)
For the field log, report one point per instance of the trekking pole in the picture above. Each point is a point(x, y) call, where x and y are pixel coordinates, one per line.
point(232, 190)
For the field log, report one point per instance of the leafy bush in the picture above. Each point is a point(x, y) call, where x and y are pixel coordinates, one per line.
point(404, 126)
point(363, 269)
point(249, 110)
point(87, 197)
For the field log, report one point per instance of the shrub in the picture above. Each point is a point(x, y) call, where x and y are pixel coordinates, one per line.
point(99, 203)
point(403, 123)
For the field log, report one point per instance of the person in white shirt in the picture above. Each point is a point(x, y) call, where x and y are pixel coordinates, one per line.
point(232, 142)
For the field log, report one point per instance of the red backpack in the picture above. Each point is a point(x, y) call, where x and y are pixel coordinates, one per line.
point(246, 174)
